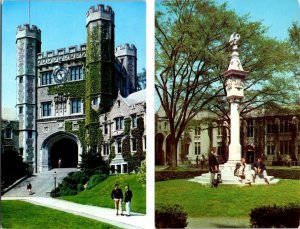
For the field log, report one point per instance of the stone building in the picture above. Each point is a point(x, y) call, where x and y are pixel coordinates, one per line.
point(271, 133)
point(61, 93)
point(113, 125)
point(9, 135)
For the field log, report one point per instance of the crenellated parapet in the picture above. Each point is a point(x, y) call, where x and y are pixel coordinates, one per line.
point(27, 31)
point(100, 12)
point(125, 50)
point(62, 54)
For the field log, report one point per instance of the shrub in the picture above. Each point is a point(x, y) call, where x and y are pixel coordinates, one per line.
point(142, 173)
point(172, 175)
point(284, 173)
point(170, 216)
point(71, 185)
point(93, 163)
point(276, 216)
point(95, 179)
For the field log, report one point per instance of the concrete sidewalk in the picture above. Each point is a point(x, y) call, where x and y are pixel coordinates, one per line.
point(107, 215)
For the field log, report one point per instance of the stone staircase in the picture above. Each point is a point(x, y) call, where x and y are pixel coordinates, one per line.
point(42, 183)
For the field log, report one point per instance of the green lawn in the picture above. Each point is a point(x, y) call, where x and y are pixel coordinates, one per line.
point(100, 195)
point(226, 200)
point(18, 214)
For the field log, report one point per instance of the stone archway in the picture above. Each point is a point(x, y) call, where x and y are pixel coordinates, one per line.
point(249, 154)
point(65, 150)
point(61, 145)
point(159, 152)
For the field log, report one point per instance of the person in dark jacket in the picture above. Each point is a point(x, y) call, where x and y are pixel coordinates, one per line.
point(213, 164)
point(127, 200)
point(259, 168)
point(117, 197)
point(29, 187)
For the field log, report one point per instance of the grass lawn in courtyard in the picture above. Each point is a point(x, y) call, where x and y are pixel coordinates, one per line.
point(19, 214)
point(227, 200)
point(100, 194)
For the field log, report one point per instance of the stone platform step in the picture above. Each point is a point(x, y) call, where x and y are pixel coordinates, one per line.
point(230, 179)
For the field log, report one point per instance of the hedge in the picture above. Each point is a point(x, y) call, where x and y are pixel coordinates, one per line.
point(275, 216)
point(173, 175)
point(170, 216)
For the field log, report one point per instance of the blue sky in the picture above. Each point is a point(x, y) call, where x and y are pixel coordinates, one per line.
point(63, 24)
point(278, 15)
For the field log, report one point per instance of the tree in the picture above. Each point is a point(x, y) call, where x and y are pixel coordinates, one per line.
point(141, 80)
point(192, 51)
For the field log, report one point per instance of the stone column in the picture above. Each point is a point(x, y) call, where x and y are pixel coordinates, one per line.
point(235, 146)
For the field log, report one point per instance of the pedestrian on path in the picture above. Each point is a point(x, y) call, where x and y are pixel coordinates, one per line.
point(29, 187)
point(117, 197)
point(127, 200)
point(213, 166)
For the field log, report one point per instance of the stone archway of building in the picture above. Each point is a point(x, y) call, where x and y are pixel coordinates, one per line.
point(64, 150)
point(185, 148)
point(63, 146)
point(249, 154)
point(159, 153)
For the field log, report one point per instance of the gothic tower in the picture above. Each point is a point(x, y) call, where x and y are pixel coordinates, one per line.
point(28, 42)
point(99, 66)
point(127, 55)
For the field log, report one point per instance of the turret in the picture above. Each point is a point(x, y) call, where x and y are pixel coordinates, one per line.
point(99, 67)
point(127, 55)
point(28, 42)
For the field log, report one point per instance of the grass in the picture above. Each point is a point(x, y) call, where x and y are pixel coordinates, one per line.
point(100, 194)
point(227, 200)
point(19, 214)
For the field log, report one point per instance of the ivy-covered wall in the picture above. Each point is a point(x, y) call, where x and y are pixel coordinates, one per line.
point(98, 76)
point(133, 159)
point(80, 133)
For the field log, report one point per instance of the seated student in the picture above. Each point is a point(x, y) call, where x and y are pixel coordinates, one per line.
point(240, 171)
point(259, 168)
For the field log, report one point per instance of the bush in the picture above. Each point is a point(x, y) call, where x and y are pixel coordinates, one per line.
point(13, 168)
point(170, 216)
point(95, 179)
point(276, 216)
point(71, 185)
point(284, 173)
point(142, 173)
point(172, 175)
point(93, 163)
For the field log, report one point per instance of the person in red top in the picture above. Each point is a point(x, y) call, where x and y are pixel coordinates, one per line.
point(117, 197)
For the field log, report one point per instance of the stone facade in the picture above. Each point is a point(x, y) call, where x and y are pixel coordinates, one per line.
point(10, 135)
point(67, 86)
point(113, 128)
point(275, 135)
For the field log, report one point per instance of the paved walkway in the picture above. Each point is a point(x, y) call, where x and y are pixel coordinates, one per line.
point(106, 215)
point(218, 222)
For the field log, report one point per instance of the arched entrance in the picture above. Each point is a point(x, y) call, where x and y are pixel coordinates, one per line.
point(64, 150)
point(61, 146)
point(249, 154)
point(185, 148)
point(159, 153)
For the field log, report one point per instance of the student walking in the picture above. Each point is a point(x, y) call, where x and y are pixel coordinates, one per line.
point(117, 197)
point(127, 200)
point(29, 187)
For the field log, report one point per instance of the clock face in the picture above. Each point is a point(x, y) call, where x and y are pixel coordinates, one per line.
point(60, 74)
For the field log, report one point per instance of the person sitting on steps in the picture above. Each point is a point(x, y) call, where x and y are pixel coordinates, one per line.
point(240, 171)
point(259, 168)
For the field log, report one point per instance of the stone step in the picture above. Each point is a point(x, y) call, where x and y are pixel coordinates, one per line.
point(230, 179)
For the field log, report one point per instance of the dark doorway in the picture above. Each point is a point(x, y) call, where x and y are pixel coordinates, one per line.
point(250, 157)
point(66, 151)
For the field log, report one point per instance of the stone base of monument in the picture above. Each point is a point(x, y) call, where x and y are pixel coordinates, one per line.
point(227, 173)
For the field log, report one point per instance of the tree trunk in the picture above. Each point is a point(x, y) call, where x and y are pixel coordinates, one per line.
point(173, 152)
